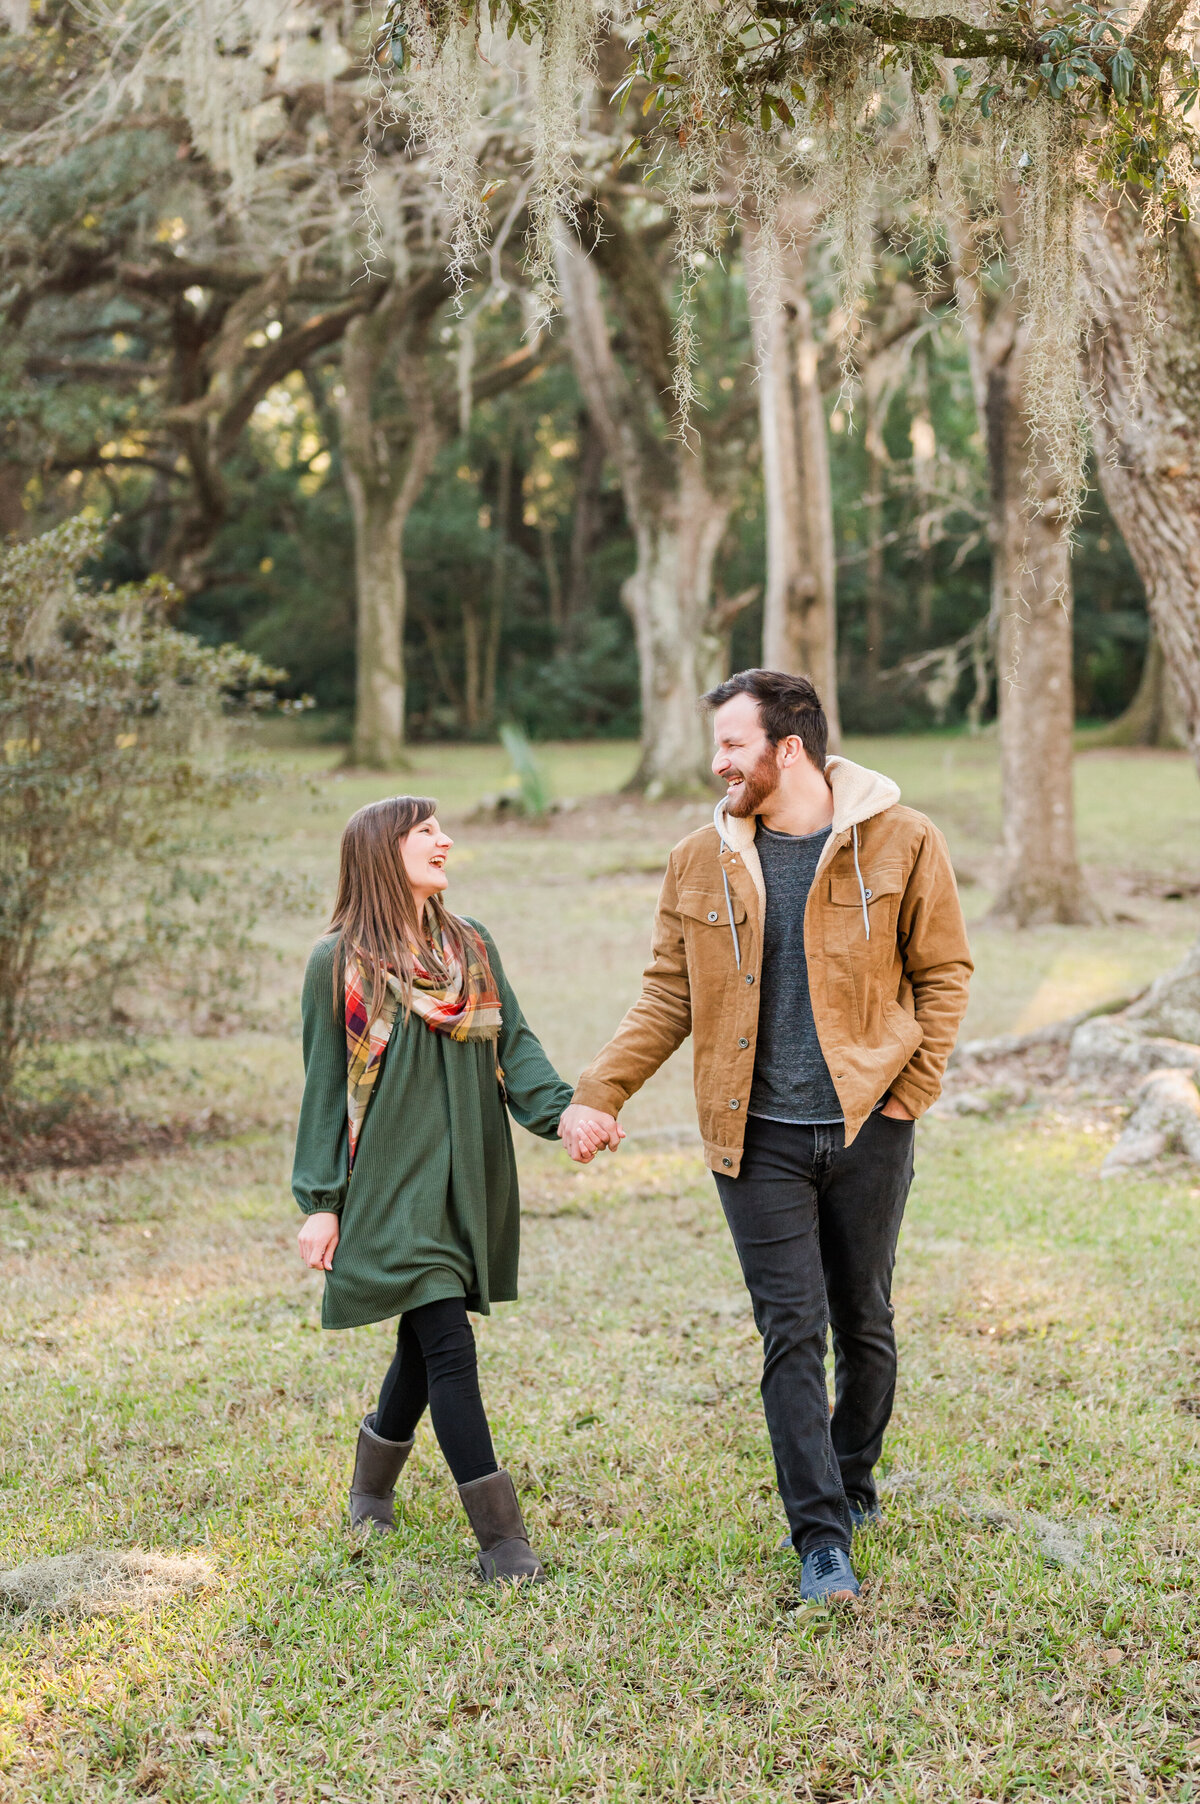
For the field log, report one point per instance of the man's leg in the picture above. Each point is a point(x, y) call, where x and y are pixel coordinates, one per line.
point(860, 1208)
point(771, 1208)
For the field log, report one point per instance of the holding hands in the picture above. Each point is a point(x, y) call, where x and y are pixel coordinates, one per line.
point(584, 1131)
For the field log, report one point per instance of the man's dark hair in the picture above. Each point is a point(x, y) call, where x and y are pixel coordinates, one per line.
point(786, 705)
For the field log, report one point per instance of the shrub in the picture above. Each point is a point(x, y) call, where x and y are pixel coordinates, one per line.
point(115, 913)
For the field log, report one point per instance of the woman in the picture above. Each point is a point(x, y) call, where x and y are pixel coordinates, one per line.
point(413, 1044)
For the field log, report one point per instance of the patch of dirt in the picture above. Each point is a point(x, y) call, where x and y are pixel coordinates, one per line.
point(101, 1137)
point(102, 1581)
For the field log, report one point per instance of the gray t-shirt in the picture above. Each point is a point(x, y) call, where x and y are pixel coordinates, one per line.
point(791, 1079)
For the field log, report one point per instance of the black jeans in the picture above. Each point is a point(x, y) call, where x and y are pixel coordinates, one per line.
point(435, 1365)
point(815, 1224)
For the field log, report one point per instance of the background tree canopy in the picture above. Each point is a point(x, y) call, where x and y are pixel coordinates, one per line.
point(537, 363)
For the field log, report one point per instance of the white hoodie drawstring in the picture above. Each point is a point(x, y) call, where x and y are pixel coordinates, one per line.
point(718, 817)
point(718, 820)
point(862, 888)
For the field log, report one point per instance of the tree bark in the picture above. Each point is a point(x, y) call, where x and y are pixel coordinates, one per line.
point(1148, 441)
point(586, 521)
point(13, 477)
point(677, 499)
point(1153, 717)
point(876, 601)
point(384, 472)
point(1032, 607)
point(799, 601)
point(1040, 879)
point(680, 652)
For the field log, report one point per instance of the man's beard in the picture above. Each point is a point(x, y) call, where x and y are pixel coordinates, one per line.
point(757, 785)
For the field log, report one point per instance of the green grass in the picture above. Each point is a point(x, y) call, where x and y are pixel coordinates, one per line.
point(1031, 1617)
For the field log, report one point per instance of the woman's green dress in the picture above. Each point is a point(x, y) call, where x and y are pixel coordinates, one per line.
point(432, 1208)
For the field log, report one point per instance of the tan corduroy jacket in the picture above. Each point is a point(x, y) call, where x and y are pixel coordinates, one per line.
point(888, 965)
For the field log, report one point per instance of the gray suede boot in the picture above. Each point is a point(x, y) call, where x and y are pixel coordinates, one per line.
point(505, 1556)
point(377, 1466)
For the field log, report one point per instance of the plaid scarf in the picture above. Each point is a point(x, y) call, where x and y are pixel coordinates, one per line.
point(444, 1001)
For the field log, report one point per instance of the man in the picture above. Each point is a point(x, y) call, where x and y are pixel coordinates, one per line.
point(814, 947)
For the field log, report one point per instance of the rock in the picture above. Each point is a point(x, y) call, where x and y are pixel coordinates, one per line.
point(1171, 1005)
point(1054, 1033)
point(1110, 1049)
point(1166, 1119)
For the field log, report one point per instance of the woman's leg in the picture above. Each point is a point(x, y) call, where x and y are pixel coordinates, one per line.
point(442, 1335)
point(404, 1392)
point(385, 1436)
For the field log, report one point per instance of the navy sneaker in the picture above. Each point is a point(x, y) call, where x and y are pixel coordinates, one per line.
point(827, 1577)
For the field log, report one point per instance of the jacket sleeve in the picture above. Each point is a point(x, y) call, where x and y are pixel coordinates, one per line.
point(536, 1094)
point(937, 963)
point(657, 1024)
point(320, 1169)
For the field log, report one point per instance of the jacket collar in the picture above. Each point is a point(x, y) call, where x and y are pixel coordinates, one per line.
point(858, 794)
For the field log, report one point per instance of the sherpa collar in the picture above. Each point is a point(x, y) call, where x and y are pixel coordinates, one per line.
point(859, 793)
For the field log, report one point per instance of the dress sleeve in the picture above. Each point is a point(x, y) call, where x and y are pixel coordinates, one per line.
point(536, 1093)
point(319, 1170)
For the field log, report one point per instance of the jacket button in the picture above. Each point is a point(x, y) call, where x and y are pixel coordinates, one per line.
point(743, 1042)
point(727, 1161)
point(868, 893)
point(713, 915)
point(733, 1102)
point(750, 977)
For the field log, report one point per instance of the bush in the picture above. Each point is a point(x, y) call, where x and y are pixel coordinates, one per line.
point(115, 914)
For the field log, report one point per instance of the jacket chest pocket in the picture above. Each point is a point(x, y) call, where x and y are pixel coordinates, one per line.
point(879, 894)
point(709, 927)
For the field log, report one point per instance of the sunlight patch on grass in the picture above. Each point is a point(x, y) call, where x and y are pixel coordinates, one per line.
point(1079, 978)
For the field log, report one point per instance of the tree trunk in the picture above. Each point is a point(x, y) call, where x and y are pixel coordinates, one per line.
point(585, 523)
point(799, 602)
point(680, 654)
point(1040, 879)
point(1148, 441)
point(384, 473)
point(678, 514)
point(1032, 605)
point(875, 602)
point(380, 590)
point(1153, 717)
point(13, 477)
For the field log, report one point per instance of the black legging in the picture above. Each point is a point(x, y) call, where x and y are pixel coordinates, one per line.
point(435, 1365)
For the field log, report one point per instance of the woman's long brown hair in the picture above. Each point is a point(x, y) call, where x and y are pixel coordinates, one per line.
point(375, 915)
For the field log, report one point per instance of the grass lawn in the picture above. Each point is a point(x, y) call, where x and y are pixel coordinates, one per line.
point(1031, 1617)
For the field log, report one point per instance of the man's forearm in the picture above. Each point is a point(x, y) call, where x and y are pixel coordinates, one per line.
point(654, 1028)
